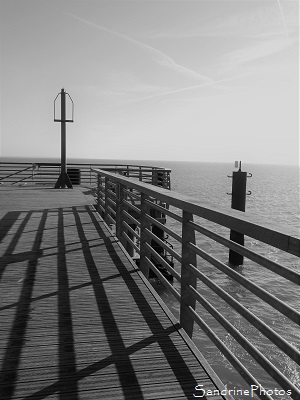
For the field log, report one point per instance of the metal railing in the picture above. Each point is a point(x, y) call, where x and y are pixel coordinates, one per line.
point(129, 205)
point(41, 173)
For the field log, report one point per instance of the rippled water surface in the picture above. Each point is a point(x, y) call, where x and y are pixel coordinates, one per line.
point(275, 199)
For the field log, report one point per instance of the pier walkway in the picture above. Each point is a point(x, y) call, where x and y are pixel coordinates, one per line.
point(77, 318)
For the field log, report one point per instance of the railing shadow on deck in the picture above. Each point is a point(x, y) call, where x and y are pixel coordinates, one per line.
point(120, 352)
point(68, 373)
point(128, 206)
point(16, 338)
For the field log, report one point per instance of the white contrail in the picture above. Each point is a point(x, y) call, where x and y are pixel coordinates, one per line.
point(283, 19)
point(160, 57)
point(189, 88)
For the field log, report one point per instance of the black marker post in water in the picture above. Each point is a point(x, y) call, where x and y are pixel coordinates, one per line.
point(63, 179)
point(238, 202)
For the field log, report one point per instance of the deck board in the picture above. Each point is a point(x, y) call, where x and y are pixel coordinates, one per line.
point(77, 318)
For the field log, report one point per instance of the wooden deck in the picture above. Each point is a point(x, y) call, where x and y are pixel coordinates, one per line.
point(77, 318)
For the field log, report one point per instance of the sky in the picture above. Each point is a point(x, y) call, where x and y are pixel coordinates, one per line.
point(214, 80)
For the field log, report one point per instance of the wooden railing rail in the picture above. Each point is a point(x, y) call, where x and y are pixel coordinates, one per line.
point(129, 204)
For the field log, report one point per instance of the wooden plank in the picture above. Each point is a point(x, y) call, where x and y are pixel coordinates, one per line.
point(77, 318)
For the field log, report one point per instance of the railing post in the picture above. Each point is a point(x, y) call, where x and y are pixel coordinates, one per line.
point(160, 178)
point(106, 199)
point(187, 277)
point(119, 212)
point(102, 191)
point(154, 176)
point(145, 237)
point(157, 231)
point(98, 192)
point(128, 246)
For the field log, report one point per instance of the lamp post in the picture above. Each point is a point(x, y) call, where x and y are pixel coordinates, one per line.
point(63, 179)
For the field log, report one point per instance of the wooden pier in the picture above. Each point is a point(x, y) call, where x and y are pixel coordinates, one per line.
point(78, 320)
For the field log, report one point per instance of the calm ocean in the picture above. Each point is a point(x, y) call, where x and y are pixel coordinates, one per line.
point(275, 199)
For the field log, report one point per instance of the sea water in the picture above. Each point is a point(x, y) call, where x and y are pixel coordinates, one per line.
point(274, 199)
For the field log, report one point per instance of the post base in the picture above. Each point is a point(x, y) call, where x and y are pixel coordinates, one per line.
point(63, 181)
point(235, 258)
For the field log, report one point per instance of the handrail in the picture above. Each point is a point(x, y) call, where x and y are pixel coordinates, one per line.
point(79, 173)
point(112, 166)
point(16, 173)
point(232, 219)
point(150, 209)
point(271, 265)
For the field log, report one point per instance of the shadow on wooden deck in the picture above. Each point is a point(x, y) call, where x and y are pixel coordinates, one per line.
point(78, 321)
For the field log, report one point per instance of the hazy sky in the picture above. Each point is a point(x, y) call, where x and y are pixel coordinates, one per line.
point(154, 80)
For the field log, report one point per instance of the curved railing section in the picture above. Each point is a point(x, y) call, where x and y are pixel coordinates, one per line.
point(135, 208)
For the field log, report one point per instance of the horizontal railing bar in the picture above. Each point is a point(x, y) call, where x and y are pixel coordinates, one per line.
point(14, 170)
point(111, 201)
point(257, 290)
point(111, 219)
point(153, 204)
point(264, 262)
point(164, 210)
point(236, 363)
point(144, 169)
point(164, 245)
point(135, 221)
point(131, 194)
point(290, 350)
point(164, 263)
point(248, 224)
point(111, 190)
point(164, 228)
point(131, 242)
point(123, 168)
point(18, 172)
point(101, 201)
point(112, 210)
point(256, 354)
point(165, 282)
point(131, 230)
point(90, 166)
point(133, 207)
point(146, 174)
point(101, 208)
point(111, 193)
